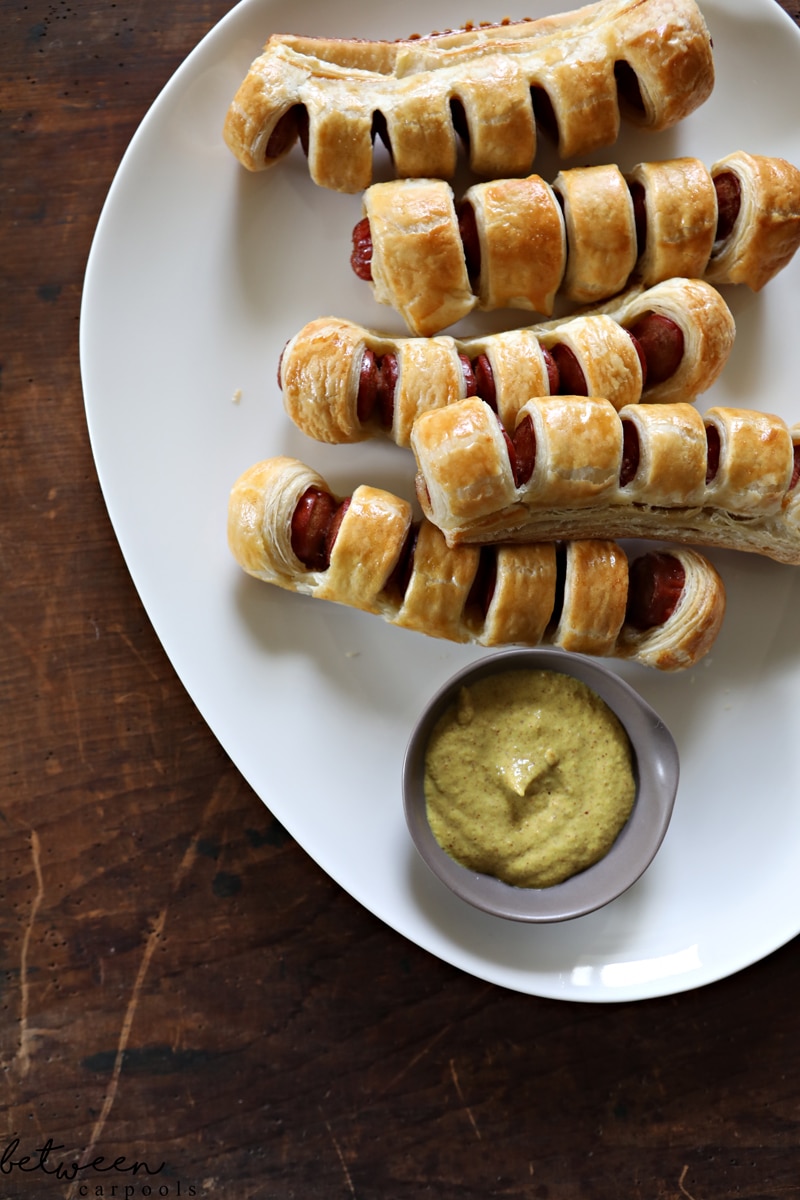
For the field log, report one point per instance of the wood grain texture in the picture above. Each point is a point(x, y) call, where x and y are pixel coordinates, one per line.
point(179, 983)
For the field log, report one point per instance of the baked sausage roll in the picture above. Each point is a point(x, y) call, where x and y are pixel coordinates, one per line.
point(574, 468)
point(489, 85)
point(344, 383)
point(287, 528)
point(521, 243)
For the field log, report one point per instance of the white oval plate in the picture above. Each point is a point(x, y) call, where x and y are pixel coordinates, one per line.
point(198, 275)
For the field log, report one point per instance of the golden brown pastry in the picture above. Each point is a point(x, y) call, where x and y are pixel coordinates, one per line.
point(761, 232)
point(521, 243)
point(574, 468)
point(599, 230)
point(676, 216)
point(286, 527)
point(344, 383)
point(489, 85)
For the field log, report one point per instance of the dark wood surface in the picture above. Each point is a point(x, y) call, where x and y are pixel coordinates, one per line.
point(181, 984)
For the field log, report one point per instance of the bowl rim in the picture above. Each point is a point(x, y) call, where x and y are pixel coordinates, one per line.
point(656, 770)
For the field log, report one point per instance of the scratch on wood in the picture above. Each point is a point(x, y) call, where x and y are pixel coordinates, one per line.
point(126, 641)
point(340, 1156)
point(429, 1046)
point(22, 1058)
point(413, 1062)
point(460, 1094)
point(127, 1022)
point(680, 1184)
point(76, 710)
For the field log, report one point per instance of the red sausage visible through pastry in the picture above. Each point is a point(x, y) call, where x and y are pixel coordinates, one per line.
point(729, 201)
point(795, 467)
point(361, 257)
point(571, 379)
point(312, 521)
point(660, 342)
point(630, 453)
point(655, 585)
point(378, 381)
point(483, 585)
point(656, 579)
point(523, 459)
point(713, 449)
point(367, 387)
point(292, 125)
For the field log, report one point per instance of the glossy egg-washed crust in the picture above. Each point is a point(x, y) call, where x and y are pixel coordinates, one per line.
point(370, 541)
point(321, 365)
point(466, 485)
point(489, 70)
point(577, 238)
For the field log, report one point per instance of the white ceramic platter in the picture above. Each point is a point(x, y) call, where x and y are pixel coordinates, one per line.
point(198, 275)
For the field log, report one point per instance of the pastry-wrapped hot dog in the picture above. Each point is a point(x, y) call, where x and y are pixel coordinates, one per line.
point(489, 85)
point(344, 383)
point(286, 527)
point(573, 467)
point(520, 243)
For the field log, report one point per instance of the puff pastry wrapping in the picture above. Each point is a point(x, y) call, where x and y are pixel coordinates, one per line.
point(320, 368)
point(488, 74)
point(727, 478)
point(577, 595)
point(766, 234)
point(583, 238)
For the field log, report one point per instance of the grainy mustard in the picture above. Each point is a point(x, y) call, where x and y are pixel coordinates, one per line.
point(528, 777)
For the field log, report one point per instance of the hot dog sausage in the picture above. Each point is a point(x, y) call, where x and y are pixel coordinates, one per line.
point(656, 582)
point(659, 340)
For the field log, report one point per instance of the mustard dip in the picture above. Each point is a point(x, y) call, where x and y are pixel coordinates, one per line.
point(528, 777)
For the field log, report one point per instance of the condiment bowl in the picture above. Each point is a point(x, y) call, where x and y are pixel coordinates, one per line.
point(656, 773)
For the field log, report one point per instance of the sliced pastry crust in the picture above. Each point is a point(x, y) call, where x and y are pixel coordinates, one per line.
point(322, 366)
point(522, 243)
point(583, 596)
point(600, 231)
point(651, 61)
point(523, 246)
point(727, 478)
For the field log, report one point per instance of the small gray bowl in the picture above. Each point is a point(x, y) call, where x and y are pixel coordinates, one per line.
point(656, 769)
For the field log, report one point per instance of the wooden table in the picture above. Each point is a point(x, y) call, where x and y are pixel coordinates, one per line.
point(182, 987)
